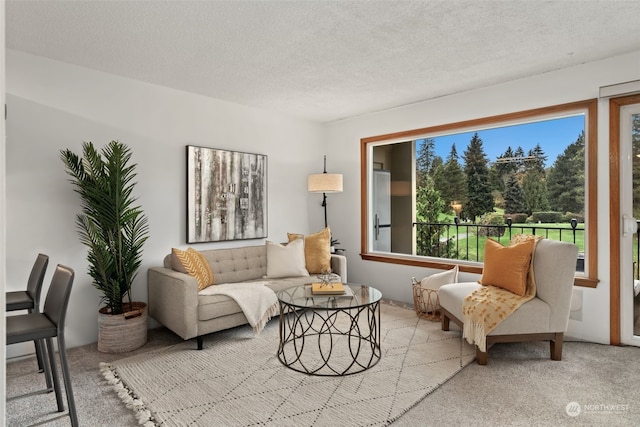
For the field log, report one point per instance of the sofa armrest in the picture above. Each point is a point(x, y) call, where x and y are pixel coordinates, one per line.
point(173, 300)
point(339, 266)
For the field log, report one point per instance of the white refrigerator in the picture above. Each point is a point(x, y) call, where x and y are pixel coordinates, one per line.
point(380, 229)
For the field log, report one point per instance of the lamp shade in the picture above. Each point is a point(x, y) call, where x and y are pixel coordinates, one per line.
point(325, 183)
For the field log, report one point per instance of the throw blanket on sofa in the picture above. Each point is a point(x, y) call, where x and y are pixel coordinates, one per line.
point(258, 302)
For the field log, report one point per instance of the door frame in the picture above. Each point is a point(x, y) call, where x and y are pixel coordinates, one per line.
point(615, 226)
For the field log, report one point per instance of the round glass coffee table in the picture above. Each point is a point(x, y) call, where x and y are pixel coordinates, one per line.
point(329, 335)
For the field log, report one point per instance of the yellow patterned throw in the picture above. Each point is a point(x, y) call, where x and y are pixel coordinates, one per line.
point(485, 308)
point(196, 265)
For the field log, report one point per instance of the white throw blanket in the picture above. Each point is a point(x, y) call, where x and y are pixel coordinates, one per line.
point(258, 302)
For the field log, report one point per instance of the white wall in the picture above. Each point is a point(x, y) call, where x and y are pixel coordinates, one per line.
point(3, 262)
point(575, 84)
point(53, 106)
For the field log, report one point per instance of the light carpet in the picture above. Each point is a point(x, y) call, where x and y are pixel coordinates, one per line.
point(237, 380)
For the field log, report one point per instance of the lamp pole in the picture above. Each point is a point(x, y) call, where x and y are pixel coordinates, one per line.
point(325, 183)
point(324, 195)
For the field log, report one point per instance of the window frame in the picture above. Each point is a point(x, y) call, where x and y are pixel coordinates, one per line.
point(587, 107)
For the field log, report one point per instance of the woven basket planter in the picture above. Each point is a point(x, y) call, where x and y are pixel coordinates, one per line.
point(121, 333)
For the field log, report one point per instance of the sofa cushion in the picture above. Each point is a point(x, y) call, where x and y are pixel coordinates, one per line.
point(286, 260)
point(507, 267)
point(194, 263)
point(317, 250)
point(240, 264)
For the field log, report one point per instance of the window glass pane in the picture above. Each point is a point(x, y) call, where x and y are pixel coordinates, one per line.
point(433, 196)
point(493, 183)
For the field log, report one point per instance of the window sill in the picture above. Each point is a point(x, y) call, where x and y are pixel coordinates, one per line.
point(469, 267)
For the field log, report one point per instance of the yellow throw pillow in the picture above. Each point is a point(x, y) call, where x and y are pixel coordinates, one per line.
point(317, 252)
point(194, 264)
point(507, 267)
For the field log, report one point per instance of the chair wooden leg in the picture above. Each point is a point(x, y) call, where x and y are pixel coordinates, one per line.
point(54, 374)
point(481, 356)
point(445, 322)
point(555, 346)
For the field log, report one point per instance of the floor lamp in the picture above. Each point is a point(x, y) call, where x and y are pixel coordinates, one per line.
point(325, 183)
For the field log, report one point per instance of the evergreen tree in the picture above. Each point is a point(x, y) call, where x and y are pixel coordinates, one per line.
point(429, 205)
point(450, 180)
point(453, 153)
point(424, 159)
point(440, 182)
point(513, 196)
point(437, 161)
point(479, 198)
point(505, 165)
point(534, 187)
point(519, 162)
point(500, 171)
point(565, 182)
point(534, 181)
point(495, 181)
point(536, 164)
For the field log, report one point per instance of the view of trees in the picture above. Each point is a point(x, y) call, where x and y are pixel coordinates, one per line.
point(479, 198)
point(515, 181)
point(566, 179)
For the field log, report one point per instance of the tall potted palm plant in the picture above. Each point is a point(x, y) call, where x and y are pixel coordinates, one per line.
point(114, 229)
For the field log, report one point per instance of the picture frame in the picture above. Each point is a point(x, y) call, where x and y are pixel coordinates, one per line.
point(226, 195)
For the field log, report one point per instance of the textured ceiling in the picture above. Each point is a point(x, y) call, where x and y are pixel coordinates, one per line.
point(324, 60)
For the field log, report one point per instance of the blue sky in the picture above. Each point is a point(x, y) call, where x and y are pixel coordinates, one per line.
point(552, 135)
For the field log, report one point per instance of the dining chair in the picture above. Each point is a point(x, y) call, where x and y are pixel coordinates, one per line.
point(29, 300)
point(45, 326)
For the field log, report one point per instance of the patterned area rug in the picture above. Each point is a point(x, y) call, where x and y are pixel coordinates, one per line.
point(237, 380)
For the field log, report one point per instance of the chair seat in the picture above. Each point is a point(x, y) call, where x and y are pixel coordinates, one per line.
point(29, 327)
point(452, 295)
point(18, 300)
point(532, 317)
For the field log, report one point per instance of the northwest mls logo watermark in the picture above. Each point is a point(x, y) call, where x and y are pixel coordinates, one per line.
point(574, 409)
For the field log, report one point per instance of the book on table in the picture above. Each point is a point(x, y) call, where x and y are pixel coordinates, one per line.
point(333, 288)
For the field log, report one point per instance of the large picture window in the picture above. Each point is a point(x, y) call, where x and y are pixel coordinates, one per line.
point(433, 196)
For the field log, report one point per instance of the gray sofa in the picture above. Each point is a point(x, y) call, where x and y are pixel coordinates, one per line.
point(174, 301)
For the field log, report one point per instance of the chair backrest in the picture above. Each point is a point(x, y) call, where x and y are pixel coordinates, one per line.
point(36, 278)
point(55, 305)
point(554, 268)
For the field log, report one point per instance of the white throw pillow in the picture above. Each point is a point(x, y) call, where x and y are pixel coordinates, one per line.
point(436, 280)
point(286, 260)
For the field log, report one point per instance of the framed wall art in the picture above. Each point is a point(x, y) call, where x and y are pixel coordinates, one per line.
point(226, 195)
